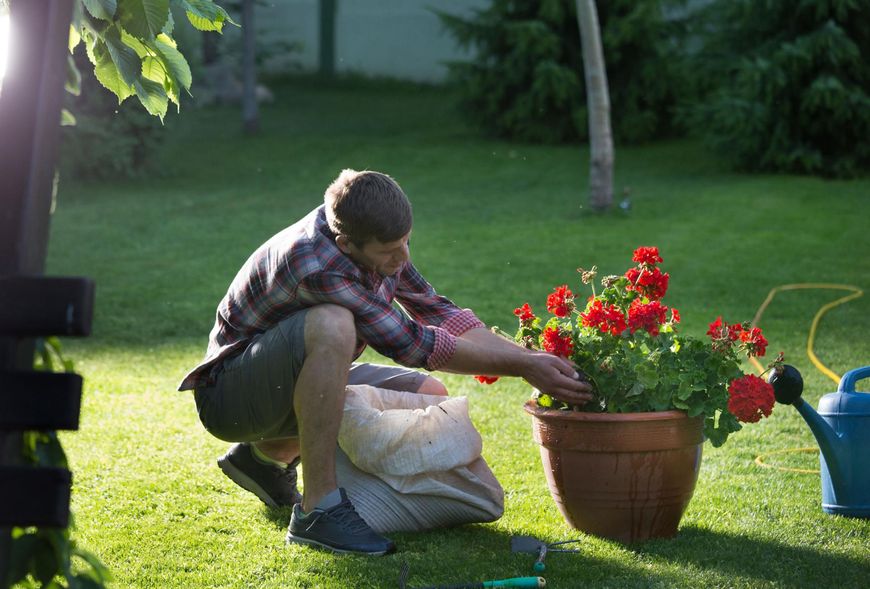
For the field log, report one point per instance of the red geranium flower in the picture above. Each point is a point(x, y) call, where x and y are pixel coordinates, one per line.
point(561, 301)
point(554, 342)
point(750, 398)
point(607, 318)
point(651, 283)
point(719, 330)
point(754, 342)
point(486, 379)
point(646, 255)
point(525, 313)
point(675, 316)
point(649, 316)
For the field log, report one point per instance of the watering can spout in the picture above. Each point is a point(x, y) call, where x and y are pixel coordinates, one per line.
point(833, 447)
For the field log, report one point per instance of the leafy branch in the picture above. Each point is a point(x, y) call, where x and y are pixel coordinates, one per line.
point(130, 44)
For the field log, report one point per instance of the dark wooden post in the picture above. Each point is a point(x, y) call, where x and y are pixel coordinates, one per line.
point(30, 106)
point(327, 37)
point(250, 110)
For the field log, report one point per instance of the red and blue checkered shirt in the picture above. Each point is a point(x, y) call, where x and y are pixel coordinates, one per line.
point(301, 267)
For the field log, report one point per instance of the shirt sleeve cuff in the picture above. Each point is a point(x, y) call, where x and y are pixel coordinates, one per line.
point(461, 322)
point(445, 345)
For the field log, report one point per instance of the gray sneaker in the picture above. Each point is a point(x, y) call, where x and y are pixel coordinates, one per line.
point(339, 528)
point(275, 486)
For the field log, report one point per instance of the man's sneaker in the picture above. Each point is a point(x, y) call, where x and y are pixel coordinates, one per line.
point(274, 485)
point(339, 528)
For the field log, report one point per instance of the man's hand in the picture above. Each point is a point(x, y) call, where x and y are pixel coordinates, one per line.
point(556, 377)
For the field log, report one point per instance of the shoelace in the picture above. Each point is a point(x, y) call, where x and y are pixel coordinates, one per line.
point(345, 515)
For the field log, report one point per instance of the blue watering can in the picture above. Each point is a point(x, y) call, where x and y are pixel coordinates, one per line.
point(842, 429)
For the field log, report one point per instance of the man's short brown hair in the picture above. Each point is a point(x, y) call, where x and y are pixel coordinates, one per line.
point(365, 205)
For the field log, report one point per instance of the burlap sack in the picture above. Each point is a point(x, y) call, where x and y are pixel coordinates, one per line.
point(412, 462)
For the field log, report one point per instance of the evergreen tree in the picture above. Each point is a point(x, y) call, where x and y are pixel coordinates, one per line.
point(787, 84)
point(526, 79)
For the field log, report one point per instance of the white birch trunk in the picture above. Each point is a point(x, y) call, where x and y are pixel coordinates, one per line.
point(250, 110)
point(598, 107)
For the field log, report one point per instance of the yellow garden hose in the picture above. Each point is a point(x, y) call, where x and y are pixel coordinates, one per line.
point(856, 292)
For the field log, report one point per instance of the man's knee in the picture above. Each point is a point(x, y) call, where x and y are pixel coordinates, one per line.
point(432, 386)
point(330, 327)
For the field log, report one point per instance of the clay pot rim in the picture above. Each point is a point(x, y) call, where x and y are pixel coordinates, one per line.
point(532, 408)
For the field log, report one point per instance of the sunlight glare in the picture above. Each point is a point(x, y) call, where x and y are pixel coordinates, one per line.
point(5, 33)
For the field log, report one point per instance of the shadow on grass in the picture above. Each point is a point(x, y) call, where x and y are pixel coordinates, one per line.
point(475, 553)
point(466, 554)
point(758, 560)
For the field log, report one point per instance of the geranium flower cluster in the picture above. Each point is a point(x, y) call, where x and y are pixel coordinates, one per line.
point(749, 339)
point(625, 341)
point(645, 313)
point(750, 398)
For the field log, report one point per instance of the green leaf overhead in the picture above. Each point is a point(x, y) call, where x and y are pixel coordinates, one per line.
point(130, 44)
point(153, 97)
point(174, 60)
point(106, 72)
point(123, 56)
point(206, 15)
point(73, 83)
point(144, 19)
point(102, 9)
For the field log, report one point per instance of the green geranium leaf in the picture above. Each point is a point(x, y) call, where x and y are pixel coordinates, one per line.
point(635, 390)
point(647, 375)
point(144, 19)
point(102, 9)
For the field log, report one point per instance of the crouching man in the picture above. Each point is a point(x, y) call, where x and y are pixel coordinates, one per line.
point(286, 334)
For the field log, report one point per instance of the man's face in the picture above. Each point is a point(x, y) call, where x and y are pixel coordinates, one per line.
point(386, 259)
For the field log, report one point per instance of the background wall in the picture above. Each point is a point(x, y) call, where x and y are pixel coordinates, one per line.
point(395, 38)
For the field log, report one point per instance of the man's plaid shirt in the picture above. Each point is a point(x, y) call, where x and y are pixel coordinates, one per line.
point(301, 267)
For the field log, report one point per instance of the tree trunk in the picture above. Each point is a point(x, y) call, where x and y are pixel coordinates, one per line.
point(598, 107)
point(327, 37)
point(250, 114)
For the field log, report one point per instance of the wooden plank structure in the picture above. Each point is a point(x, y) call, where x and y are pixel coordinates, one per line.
point(32, 305)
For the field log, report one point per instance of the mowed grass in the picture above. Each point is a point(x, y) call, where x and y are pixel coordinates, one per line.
point(496, 224)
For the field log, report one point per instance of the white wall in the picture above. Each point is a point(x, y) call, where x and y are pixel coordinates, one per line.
point(394, 38)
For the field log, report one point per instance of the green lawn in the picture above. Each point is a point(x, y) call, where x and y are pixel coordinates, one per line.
point(497, 224)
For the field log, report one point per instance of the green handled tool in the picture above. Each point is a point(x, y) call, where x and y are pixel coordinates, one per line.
point(517, 582)
point(514, 582)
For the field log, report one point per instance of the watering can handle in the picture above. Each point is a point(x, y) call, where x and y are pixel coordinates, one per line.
point(847, 383)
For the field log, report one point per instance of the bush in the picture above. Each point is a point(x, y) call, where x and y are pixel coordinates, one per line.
point(526, 79)
point(109, 140)
point(786, 84)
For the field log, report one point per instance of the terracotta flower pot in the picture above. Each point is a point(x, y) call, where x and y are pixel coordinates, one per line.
point(624, 476)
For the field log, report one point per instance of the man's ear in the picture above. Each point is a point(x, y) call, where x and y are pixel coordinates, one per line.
point(343, 243)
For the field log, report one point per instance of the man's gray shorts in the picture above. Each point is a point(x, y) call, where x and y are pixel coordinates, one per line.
point(252, 397)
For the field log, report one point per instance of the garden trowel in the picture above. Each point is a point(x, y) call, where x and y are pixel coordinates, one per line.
point(539, 548)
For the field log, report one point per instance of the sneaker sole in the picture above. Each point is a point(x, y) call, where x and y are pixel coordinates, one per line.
point(291, 539)
point(245, 482)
